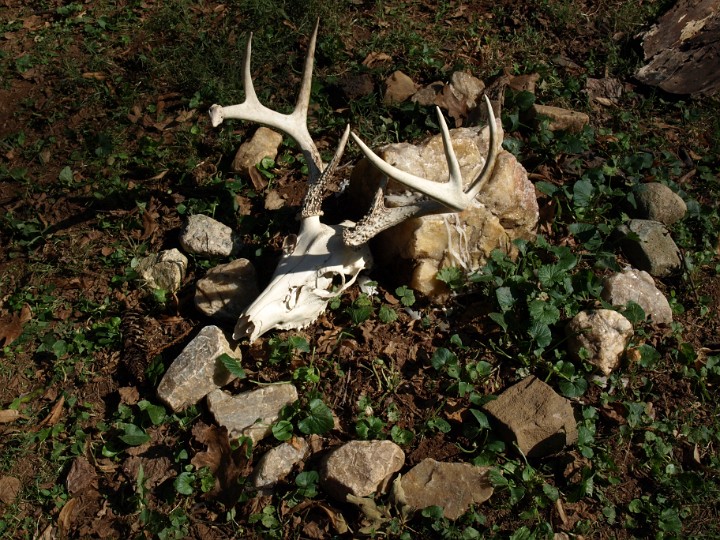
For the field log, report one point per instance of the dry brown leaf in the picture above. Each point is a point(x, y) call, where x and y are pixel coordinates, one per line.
point(94, 75)
point(65, 518)
point(9, 489)
point(8, 415)
point(218, 458)
point(81, 476)
point(184, 116)
point(11, 326)
point(258, 180)
point(376, 58)
point(55, 414)
point(129, 395)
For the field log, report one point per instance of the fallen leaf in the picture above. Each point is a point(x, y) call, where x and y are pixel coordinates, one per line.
point(129, 395)
point(376, 58)
point(55, 414)
point(219, 459)
point(11, 326)
point(8, 415)
point(94, 75)
point(65, 518)
point(9, 489)
point(81, 476)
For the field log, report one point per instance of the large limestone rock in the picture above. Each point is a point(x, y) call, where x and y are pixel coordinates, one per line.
point(251, 414)
point(534, 417)
point(637, 286)
point(453, 486)
point(360, 468)
point(506, 209)
point(603, 334)
point(197, 370)
point(683, 49)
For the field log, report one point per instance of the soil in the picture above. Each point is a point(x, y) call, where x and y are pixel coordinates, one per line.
point(65, 250)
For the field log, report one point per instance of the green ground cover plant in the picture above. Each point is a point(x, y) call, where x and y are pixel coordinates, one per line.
point(105, 148)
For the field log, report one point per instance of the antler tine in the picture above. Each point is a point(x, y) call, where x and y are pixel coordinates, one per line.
point(293, 124)
point(445, 197)
point(452, 193)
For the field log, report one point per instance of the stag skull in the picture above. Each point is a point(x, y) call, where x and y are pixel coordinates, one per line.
point(316, 266)
point(321, 261)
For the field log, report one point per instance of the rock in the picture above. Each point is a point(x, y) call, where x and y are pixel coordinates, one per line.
point(467, 88)
point(427, 95)
point(605, 91)
point(227, 289)
point(251, 414)
point(357, 86)
point(683, 49)
point(649, 246)
point(398, 88)
point(277, 463)
point(264, 143)
point(415, 250)
point(534, 417)
point(360, 468)
point(603, 333)
point(657, 202)
point(197, 370)
point(453, 486)
point(207, 237)
point(561, 119)
point(637, 286)
point(164, 270)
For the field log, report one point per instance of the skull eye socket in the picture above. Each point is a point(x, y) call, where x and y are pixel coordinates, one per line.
point(289, 244)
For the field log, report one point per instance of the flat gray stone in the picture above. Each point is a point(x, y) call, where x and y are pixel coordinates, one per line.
point(657, 202)
point(251, 414)
point(360, 468)
point(197, 370)
point(453, 486)
point(277, 463)
point(227, 289)
point(207, 237)
point(649, 246)
point(637, 286)
point(534, 417)
point(603, 334)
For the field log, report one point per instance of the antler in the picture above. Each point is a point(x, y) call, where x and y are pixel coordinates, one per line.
point(293, 125)
point(450, 196)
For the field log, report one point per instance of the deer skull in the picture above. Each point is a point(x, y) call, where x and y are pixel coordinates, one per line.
point(323, 260)
point(316, 266)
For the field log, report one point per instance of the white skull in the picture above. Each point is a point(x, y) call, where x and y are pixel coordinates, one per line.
point(316, 267)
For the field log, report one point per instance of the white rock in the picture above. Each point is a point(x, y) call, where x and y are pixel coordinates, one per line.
point(207, 237)
point(360, 468)
point(603, 333)
point(251, 414)
point(637, 286)
point(277, 463)
point(197, 370)
point(164, 270)
point(227, 289)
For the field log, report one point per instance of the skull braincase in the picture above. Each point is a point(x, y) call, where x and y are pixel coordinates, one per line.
point(316, 267)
